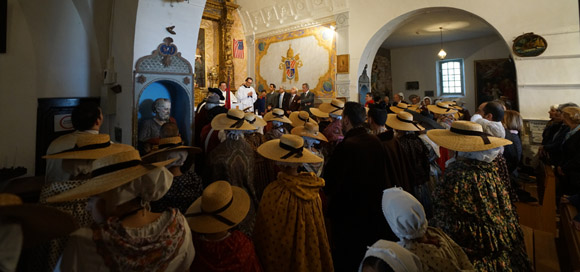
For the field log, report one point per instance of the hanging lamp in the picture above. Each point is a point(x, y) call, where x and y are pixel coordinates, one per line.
point(441, 53)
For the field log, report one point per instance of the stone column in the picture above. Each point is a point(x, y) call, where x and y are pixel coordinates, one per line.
point(226, 50)
point(343, 84)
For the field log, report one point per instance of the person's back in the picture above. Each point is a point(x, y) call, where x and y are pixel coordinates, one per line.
point(86, 118)
point(355, 177)
point(290, 233)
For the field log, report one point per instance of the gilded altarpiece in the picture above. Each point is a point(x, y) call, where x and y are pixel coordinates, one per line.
point(302, 56)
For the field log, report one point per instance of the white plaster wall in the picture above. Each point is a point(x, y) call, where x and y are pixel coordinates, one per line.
point(54, 49)
point(554, 74)
point(419, 63)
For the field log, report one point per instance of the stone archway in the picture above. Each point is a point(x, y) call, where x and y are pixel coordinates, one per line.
point(379, 37)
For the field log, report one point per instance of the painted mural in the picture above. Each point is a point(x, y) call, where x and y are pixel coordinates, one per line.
point(302, 56)
point(381, 80)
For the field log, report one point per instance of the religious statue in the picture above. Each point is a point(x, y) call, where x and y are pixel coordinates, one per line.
point(212, 77)
point(290, 65)
point(149, 129)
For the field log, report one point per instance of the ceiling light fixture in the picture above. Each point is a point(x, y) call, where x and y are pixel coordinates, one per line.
point(442, 54)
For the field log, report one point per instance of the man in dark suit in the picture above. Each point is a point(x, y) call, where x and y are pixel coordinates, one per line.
point(306, 98)
point(282, 99)
point(271, 97)
point(293, 102)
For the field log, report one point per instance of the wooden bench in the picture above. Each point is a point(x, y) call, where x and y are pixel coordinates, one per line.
point(541, 217)
point(570, 235)
point(538, 223)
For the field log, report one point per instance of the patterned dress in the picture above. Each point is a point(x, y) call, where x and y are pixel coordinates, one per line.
point(264, 169)
point(290, 234)
point(233, 161)
point(162, 245)
point(473, 207)
point(275, 133)
point(415, 155)
point(184, 190)
point(439, 253)
point(235, 253)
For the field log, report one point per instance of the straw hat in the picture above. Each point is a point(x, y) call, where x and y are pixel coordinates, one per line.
point(289, 148)
point(277, 115)
point(89, 147)
point(39, 222)
point(309, 130)
point(109, 173)
point(168, 145)
point(300, 118)
point(442, 108)
point(216, 91)
point(232, 120)
point(453, 105)
point(399, 107)
point(335, 107)
point(254, 120)
point(465, 136)
point(403, 121)
point(220, 208)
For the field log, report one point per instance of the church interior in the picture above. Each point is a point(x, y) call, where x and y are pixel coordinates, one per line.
point(125, 54)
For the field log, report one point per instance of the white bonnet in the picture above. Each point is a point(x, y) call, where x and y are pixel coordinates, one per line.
point(150, 187)
point(404, 213)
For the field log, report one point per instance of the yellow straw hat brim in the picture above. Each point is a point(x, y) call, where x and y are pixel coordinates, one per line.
point(396, 109)
point(272, 150)
point(330, 109)
point(438, 110)
point(235, 213)
point(106, 182)
point(258, 122)
point(271, 117)
point(302, 131)
point(191, 150)
point(464, 143)
point(397, 124)
point(90, 154)
point(222, 122)
point(318, 113)
point(296, 121)
point(39, 223)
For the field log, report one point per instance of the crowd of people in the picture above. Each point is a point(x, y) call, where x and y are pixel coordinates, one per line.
point(290, 186)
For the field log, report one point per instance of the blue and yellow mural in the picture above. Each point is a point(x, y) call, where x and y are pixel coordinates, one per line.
point(302, 56)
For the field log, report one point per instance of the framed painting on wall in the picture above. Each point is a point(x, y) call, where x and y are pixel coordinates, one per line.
point(495, 79)
point(342, 64)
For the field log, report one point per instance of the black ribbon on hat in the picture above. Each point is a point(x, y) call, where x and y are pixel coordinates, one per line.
point(278, 115)
point(401, 107)
point(170, 145)
point(86, 147)
point(253, 121)
point(447, 109)
point(484, 136)
point(337, 108)
point(238, 124)
point(296, 152)
point(305, 120)
point(410, 122)
point(215, 214)
point(114, 167)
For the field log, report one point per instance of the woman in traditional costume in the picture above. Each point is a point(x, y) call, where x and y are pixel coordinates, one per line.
point(472, 205)
point(290, 233)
